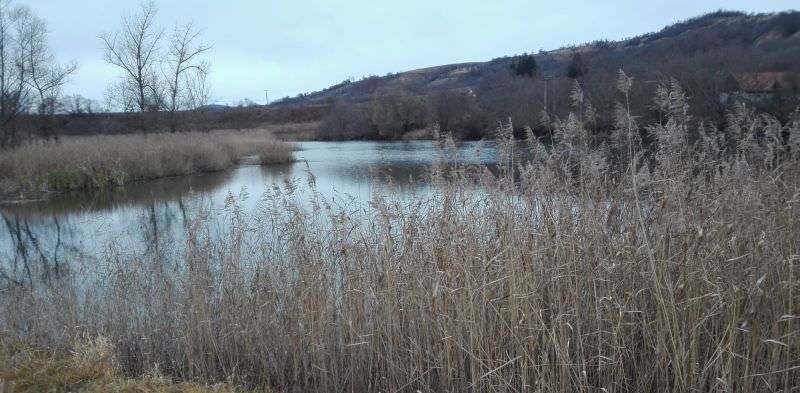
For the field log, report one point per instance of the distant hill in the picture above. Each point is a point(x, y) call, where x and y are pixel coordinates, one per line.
point(719, 42)
point(213, 107)
point(469, 99)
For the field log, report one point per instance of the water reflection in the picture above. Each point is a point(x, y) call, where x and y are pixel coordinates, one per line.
point(103, 201)
point(45, 239)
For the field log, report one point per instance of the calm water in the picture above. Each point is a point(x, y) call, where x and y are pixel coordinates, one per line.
point(79, 227)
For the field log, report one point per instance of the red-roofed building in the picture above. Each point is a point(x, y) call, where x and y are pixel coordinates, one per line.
point(757, 86)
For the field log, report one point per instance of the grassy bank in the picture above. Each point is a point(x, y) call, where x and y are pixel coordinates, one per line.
point(89, 367)
point(607, 266)
point(113, 160)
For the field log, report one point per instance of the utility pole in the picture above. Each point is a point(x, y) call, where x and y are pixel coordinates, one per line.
point(266, 95)
point(546, 79)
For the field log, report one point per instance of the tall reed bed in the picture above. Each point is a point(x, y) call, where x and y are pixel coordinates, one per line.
point(111, 160)
point(606, 267)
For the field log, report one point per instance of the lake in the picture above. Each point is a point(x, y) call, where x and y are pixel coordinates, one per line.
point(75, 229)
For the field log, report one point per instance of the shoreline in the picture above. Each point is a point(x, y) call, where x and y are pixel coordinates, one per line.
point(101, 162)
point(29, 197)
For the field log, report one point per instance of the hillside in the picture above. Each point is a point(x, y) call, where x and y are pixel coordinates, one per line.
point(737, 41)
point(700, 53)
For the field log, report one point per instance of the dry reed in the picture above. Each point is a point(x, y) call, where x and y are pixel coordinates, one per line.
point(606, 267)
point(112, 160)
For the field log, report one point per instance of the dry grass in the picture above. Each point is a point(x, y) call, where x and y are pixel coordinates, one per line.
point(423, 134)
point(302, 131)
point(605, 268)
point(90, 368)
point(112, 160)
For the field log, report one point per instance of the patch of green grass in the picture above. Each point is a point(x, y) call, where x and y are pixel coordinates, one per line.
point(66, 180)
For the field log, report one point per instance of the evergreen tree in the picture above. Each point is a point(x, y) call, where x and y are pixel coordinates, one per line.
point(577, 67)
point(524, 65)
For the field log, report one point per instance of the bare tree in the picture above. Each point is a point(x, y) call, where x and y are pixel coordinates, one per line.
point(182, 61)
point(346, 121)
point(119, 96)
point(77, 104)
point(171, 80)
point(451, 108)
point(134, 49)
point(46, 77)
point(29, 75)
point(394, 113)
point(12, 82)
point(198, 89)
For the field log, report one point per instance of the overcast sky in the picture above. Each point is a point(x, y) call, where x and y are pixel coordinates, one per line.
point(294, 46)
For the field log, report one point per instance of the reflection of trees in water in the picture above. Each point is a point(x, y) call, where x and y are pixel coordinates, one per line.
point(37, 254)
point(139, 194)
point(163, 223)
point(36, 251)
point(39, 240)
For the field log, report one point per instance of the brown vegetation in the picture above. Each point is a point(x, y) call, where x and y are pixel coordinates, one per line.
point(89, 367)
point(605, 266)
point(91, 123)
point(114, 160)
